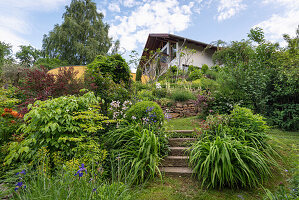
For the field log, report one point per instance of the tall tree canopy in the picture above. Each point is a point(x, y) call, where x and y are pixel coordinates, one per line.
point(5, 52)
point(27, 55)
point(81, 37)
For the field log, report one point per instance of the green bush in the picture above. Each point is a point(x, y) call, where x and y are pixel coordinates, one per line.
point(135, 154)
point(65, 124)
point(145, 95)
point(209, 84)
point(146, 112)
point(182, 95)
point(227, 162)
point(160, 92)
point(195, 74)
point(204, 68)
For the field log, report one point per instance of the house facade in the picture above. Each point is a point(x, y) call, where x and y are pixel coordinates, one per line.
point(164, 50)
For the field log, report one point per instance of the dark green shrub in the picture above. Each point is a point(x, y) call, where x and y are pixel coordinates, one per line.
point(146, 112)
point(204, 68)
point(182, 95)
point(138, 74)
point(114, 66)
point(135, 153)
point(227, 162)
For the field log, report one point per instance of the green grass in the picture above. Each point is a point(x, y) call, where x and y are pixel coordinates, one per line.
point(179, 188)
point(188, 123)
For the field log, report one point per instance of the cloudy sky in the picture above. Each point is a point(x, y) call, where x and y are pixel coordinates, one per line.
point(24, 22)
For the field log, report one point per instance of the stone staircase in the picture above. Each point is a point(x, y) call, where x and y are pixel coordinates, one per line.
point(176, 163)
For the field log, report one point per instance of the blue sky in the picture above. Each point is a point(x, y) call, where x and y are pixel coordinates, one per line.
point(24, 22)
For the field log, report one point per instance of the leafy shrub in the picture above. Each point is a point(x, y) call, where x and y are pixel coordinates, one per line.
point(146, 112)
point(114, 66)
point(136, 153)
point(40, 85)
point(204, 68)
point(160, 92)
point(182, 95)
point(196, 84)
point(209, 84)
point(195, 74)
point(50, 63)
point(64, 124)
point(203, 102)
point(146, 95)
point(227, 162)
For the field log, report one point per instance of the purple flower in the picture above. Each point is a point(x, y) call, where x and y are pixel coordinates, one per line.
point(19, 185)
point(81, 170)
point(22, 172)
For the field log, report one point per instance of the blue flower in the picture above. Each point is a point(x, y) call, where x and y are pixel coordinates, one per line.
point(81, 170)
point(19, 185)
point(22, 172)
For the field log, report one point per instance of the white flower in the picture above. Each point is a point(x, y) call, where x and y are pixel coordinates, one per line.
point(133, 117)
point(158, 86)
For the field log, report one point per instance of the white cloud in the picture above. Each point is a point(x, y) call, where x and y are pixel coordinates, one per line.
point(13, 39)
point(167, 16)
point(285, 22)
point(277, 25)
point(129, 3)
point(229, 8)
point(114, 7)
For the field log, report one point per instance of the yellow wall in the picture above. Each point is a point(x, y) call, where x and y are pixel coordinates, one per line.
point(81, 70)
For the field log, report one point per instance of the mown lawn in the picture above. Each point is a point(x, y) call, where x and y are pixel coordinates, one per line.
point(182, 188)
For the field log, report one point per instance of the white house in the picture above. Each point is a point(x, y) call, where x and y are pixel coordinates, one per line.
point(163, 50)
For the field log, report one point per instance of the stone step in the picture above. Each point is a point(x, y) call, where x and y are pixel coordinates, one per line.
point(179, 142)
point(175, 161)
point(176, 171)
point(178, 151)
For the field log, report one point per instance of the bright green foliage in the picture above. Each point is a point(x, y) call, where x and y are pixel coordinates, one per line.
point(233, 152)
point(81, 37)
point(204, 68)
point(50, 63)
point(114, 66)
point(145, 95)
point(160, 92)
point(227, 162)
point(146, 112)
point(182, 95)
point(195, 74)
point(136, 154)
point(28, 55)
point(65, 185)
point(61, 124)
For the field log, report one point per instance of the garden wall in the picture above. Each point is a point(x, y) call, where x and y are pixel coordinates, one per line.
point(181, 109)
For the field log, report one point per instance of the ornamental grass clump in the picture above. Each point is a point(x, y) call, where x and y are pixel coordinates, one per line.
point(235, 153)
point(135, 154)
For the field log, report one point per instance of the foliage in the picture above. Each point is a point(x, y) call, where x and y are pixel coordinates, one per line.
point(40, 85)
point(182, 95)
point(146, 112)
point(160, 92)
point(225, 161)
point(233, 151)
point(145, 95)
point(81, 36)
point(262, 77)
point(135, 154)
point(28, 55)
point(13, 73)
point(65, 185)
point(204, 68)
point(114, 66)
point(195, 74)
point(203, 102)
point(138, 74)
point(61, 125)
point(5, 53)
point(50, 63)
